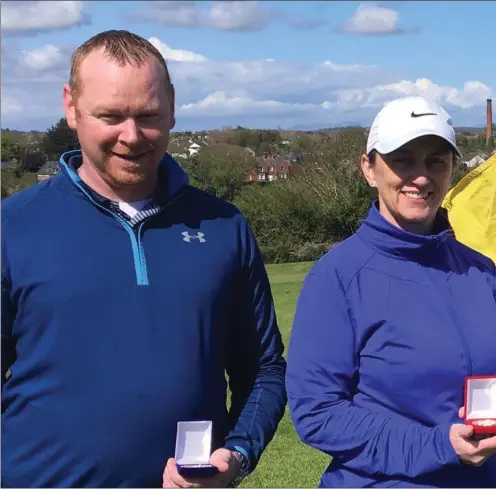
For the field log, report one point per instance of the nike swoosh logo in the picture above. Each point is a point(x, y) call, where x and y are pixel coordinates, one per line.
point(413, 114)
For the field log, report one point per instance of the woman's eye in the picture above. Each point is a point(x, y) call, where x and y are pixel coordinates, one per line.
point(402, 161)
point(437, 163)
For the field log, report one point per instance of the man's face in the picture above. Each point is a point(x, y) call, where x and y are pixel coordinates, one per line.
point(123, 117)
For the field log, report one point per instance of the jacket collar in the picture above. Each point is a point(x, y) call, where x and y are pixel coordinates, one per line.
point(394, 241)
point(172, 178)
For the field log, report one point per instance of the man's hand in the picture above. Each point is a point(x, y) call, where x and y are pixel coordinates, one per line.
point(471, 452)
point(226, 462)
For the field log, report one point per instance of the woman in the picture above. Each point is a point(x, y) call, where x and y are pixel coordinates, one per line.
point(391, 321)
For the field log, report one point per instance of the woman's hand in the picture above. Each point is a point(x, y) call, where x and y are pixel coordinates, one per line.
point(470, 451)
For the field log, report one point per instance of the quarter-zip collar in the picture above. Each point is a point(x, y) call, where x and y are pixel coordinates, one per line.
point(391, 240)
point(171, 177)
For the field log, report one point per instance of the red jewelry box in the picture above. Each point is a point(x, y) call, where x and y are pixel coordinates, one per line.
point(480, 404)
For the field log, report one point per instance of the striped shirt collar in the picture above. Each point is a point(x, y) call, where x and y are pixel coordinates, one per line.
point(157, 201)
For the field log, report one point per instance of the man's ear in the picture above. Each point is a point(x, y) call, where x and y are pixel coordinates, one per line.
point(368, 170)
point(172, 106)
point(69, 106)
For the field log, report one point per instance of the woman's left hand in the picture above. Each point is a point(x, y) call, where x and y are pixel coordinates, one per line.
point(470, 451)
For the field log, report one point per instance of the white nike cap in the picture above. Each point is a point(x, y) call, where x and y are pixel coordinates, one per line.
point(407, 118)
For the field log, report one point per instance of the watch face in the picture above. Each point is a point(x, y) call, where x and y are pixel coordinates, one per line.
point(243, 470)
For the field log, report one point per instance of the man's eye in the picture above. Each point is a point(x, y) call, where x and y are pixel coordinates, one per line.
point(147, 117)
point(110, 118)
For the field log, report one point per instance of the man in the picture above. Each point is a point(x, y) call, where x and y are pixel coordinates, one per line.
point(127, 295)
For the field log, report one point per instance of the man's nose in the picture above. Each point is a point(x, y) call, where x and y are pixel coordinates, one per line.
point(131, 132)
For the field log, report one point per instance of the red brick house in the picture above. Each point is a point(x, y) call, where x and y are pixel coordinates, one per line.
point(271, 168)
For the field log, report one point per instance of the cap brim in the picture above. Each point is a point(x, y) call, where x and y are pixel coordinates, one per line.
point(398, 144)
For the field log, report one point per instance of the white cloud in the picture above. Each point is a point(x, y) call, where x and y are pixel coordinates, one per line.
point(11, 107)
point(182, 13)
point(254, 93)
point(170, 54)
point(373, 20)
point(232, 105)
point(31, 106)
point(225, 15)
point(351, 106)
point(271, 79)
point(237, 15)
point(43, 58)
point(471, 95)
point(36, 16)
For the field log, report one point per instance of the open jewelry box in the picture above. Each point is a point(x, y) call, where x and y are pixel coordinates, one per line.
point(193, 448)
point(480, 404)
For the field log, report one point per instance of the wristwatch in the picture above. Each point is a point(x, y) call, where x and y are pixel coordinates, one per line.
point(244, 469)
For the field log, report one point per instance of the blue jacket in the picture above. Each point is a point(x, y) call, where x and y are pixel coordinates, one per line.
point(115, 334)
point(387, 327)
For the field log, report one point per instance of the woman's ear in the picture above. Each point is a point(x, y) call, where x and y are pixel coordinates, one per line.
point(368, 170)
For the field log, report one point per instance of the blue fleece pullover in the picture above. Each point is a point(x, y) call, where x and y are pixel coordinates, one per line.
point(388, 325)
point(113, 334)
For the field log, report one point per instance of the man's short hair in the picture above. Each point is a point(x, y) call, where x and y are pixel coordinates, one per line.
point(121, 46)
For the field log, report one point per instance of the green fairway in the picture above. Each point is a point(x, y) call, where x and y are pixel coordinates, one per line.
point(287, 462)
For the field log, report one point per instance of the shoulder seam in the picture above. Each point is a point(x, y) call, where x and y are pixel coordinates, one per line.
point(364, 264)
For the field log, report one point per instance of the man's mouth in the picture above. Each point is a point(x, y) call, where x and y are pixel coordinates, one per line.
point(418, 195)
point(130, 156)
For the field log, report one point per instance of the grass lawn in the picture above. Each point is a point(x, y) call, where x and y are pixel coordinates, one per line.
point(287, 462)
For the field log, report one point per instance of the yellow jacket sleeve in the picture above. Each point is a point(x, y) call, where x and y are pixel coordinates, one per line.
point(471, 207)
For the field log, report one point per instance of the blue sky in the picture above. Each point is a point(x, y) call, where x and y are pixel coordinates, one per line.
point(264, 64)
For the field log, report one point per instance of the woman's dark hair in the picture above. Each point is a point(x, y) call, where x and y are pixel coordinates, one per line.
point(372, 155)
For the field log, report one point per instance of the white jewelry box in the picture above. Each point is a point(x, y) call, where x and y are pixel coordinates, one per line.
point(480, 404)
point(194, 448)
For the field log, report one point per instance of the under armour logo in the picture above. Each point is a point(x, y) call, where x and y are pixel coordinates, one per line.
point(188, 237)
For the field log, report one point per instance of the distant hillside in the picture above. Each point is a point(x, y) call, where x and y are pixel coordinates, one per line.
point(23, 133)
point(296, 129)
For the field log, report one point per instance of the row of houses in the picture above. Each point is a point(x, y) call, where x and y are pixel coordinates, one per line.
point(272, 167)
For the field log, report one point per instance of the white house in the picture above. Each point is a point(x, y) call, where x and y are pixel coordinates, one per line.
point(193, 149)
point(475, 161)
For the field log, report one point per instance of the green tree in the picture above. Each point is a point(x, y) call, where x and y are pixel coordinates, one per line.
point(322, 203)
point(32, 158)
point(59, 139)
point(460, 171)
point(490, 145)
point(221, 169)
point(11, 145)
point(333, 177)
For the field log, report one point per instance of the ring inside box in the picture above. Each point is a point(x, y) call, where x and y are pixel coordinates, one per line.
point(193, 443)
point(480, 403)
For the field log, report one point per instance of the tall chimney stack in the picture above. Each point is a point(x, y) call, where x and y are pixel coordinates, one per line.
point(489, 124)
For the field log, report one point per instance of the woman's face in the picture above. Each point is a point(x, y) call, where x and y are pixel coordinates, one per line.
point(412, 182)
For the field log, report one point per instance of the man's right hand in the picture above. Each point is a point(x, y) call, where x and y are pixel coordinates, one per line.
point(226, 461)
point(469, 451)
